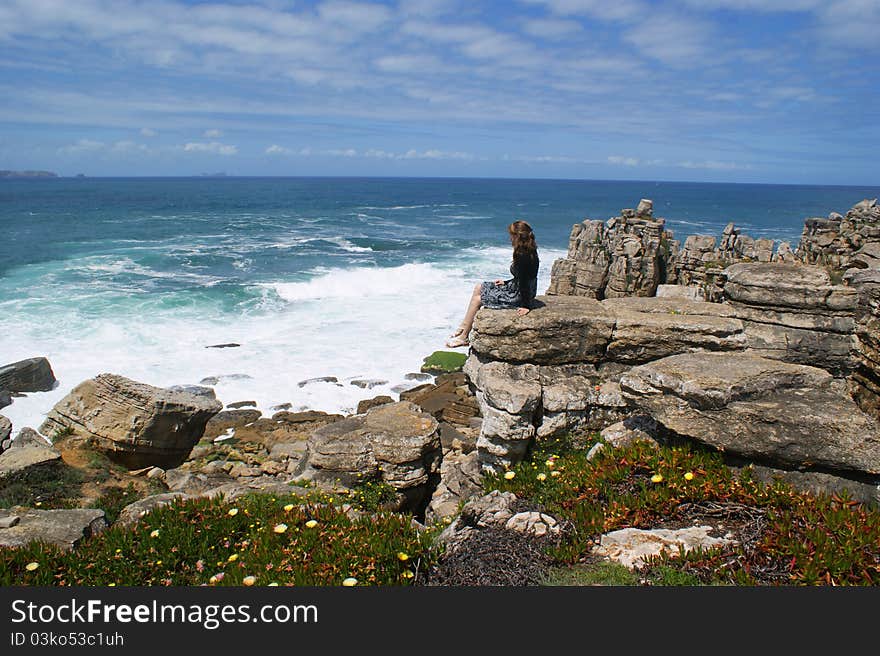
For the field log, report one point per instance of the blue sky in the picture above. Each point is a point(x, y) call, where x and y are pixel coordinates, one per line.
point(779, 91)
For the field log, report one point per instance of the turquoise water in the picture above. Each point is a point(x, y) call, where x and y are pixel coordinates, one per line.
point(313, 277)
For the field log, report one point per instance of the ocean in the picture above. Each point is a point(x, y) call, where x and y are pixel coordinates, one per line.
point(351, 278)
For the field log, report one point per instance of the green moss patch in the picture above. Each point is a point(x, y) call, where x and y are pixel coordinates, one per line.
point(442, 362)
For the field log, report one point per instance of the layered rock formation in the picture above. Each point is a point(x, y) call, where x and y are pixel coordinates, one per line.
point(624, 256)
point(132, 423)
point(840, 242)
point(781, 351)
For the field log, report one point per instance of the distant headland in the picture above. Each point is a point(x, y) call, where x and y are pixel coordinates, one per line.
point(27, 174)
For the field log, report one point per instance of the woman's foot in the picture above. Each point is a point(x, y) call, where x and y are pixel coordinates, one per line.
point(455, 342)
point(459, 332)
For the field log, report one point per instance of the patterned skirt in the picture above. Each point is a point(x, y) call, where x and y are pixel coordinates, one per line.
point(500, 297)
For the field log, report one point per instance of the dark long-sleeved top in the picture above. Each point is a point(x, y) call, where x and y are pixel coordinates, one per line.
point(525, 273)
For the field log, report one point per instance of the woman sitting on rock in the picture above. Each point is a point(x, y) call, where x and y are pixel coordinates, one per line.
point(518, 292)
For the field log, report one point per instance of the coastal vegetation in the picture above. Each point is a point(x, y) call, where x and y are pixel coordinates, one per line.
point(782, 537)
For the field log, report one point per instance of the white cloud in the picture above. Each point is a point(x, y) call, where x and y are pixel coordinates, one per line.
point(275, 149)
point(714, 165)
point(410, 64)
point(672, 39)
point(212, 147)
point(609, 10)
point(620, 160)
point(83, 146)
point(148, 132)
point(551, 28)
point(213, 134)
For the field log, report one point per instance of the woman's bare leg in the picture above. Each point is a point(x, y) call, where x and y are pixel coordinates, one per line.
point(467, 323)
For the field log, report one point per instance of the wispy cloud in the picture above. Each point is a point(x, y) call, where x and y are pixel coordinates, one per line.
point(213, 147)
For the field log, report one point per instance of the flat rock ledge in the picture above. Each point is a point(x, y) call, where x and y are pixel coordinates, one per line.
point(63, 528)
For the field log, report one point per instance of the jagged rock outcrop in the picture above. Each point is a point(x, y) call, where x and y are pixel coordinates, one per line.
point(5, 432)
point(397, 443)
point(31, 375)
point(134, 424)
point(624, 256)
point(865, 378)
point(834, 241)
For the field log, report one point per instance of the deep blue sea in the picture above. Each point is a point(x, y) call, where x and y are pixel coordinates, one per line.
point(313, 277)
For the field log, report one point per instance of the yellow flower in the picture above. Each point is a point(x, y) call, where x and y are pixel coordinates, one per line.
point(273, 584)
point(280, 528)
point(288, 507)
point(232, 512)
point(401, 556)
point(407, 574)
point(232, 558)
point(509, 475)
point(550, 462)
point(249, 580)
point(555, 473)
point(213, 579)
point(158, 562)
point(154, 533)
point(31, 566)
point(689, 476)
point(119, 551)
point(312, 523)
point(111, 585)
point(350, 581)
point(656, 478)
point(542, 476)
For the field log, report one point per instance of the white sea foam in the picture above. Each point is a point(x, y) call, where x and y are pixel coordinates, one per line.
point(365, 322)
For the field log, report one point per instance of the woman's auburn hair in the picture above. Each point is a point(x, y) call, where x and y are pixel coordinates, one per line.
point(523, 238)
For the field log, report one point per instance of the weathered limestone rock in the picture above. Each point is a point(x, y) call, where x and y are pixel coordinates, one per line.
point(197, 390)
point(681, 292)
point(638, 428)
point(5, 432)
point(625, 256)
point(134, 424)
point(396, 442)
point(5, 399)
point(794, 313)
point(28, 437)
point(460, 480)
point(64, 528)
point(366, 404)
point(533, 523)
point(564, 329)
point(833, 242)
point(632, 547)
point(641, 336)
point(18, 460)
point(31, 375)
point(758, 408)
point(865, 378)
point(134, 512)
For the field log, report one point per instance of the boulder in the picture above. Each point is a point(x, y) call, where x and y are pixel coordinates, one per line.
point(64, 528)
point(460, 480)
point(681, 292)
point(397, 442)
point(31, 375)
point(5, 429)
point(633, 547)
point(761, 409)
point(133, 424)
point(15, 461)
point(134, 512)
point(5, 398)
point(197, 390)
point(366, 404)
